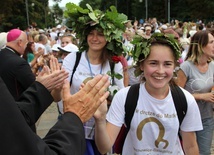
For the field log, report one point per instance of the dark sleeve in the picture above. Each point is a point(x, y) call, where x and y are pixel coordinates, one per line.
point(66, 137)
point(24, 74)
point(73, 142)
point(34, 101)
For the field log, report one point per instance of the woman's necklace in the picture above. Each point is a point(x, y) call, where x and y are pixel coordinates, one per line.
point(89, 65)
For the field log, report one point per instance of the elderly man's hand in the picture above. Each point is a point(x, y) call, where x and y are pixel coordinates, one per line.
point(85, 102)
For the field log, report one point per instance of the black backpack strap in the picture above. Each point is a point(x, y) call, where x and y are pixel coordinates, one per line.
point(78, 56)
point(131, 103)
point(132, 97)
point(112, 64)
point(180, 102)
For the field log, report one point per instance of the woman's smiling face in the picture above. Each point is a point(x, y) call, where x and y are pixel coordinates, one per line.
point(96, 40)
point(158, 67)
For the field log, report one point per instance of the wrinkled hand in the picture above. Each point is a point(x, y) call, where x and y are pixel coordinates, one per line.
point(82, 85)
point(52, 80)
point(85, 102)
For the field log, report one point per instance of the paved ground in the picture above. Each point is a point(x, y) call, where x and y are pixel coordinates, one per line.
point(49, 118)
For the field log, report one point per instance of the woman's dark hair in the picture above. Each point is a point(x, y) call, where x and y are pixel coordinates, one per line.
point(180, 24)
point(28, 50)
point(200, 26)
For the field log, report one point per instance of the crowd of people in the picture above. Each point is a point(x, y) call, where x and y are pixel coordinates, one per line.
point(90, 76)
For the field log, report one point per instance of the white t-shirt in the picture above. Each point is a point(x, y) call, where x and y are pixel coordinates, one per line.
point(48, 47)
point(83, 71)
point(154, 119)
point(132, 78)
point(53, 35)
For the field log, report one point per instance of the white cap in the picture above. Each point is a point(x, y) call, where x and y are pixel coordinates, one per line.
point(41, 31)
point(164, 27)
point(69, 48)
point(58, 26)
point(157, 31)
point(193, 27)
point(55, 47)
point(192, 32)
point(141, 28)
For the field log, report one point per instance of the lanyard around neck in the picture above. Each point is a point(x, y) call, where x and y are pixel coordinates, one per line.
point(89, 65)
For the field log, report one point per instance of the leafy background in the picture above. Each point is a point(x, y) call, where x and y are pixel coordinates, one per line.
point(13, 12)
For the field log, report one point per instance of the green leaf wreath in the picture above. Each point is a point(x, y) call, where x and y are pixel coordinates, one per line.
point(142, 47)
point(110, 22)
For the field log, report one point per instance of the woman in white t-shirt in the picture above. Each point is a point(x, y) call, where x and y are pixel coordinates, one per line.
point(157, 60)
point(98, 45)
point(92, 62)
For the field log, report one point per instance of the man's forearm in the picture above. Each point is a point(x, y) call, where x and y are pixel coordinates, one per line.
point(34, 101)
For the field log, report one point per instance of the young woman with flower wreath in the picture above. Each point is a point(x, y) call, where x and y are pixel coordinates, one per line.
point(100, 44)
point(154, 125)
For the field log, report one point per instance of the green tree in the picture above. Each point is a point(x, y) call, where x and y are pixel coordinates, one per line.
point(178, 12)
point(201, 9)
point(95, 4)
point(13, 12)
point(106, 4)
point(10, 12)
point(57, 14)
point(57, 1)
point(138, 10)
point(41, 10)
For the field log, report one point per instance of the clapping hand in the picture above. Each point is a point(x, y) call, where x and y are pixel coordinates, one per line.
point(85, 102)
point(52, 78)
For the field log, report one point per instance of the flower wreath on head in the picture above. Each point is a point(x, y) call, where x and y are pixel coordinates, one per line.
point(110, 22)
point(142, 47)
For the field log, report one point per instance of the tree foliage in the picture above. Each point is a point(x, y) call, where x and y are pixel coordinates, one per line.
point(9, 12)
point(57, 15)
point(13, 12)
point(95, 4)
point(185, 10)
point(57, 1)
